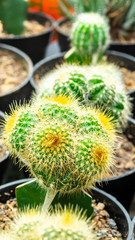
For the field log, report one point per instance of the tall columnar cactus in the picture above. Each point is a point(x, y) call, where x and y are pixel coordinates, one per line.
point(64, 224)
point(12, 14)
point(90, 35)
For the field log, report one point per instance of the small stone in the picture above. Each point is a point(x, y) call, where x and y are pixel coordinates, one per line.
point(113, 224)
point(100, 206)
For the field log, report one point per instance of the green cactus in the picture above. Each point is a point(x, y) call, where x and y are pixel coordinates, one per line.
point(51, 143)
point(117, 104)
point(12, 14)
point(96, 90)
point(63, 224)
point(90, 36)
point(17, 126)
point(75, 85)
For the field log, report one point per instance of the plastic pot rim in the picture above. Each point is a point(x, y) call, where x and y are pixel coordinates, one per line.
point(45, 16)
point(28, 61)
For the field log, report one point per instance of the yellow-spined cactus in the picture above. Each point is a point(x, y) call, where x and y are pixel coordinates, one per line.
point(66, 146)
point(63, 224)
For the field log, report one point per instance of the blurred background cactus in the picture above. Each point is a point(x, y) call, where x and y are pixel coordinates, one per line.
point(105, 89)
point(120, 13)
point(122, 18)
point(90, 36)
point(62, 224)
point(12, 14)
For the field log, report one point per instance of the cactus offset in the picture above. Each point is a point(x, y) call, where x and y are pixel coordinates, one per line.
point(63, 224)
point(90, 35)
point(17, 125)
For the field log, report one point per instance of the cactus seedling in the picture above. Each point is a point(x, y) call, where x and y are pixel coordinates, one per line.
point(63, 224)
point(12, 14)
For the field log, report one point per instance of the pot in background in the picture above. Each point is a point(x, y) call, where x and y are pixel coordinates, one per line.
point(22, 91)
point(122, 187)
point(114, 208)
point(35, 45)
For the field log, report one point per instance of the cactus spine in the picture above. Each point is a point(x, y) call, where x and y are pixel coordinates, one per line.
point(90, 35)
point(63, 224)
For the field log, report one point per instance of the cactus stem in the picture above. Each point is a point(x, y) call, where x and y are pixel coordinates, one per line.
point(50, 195)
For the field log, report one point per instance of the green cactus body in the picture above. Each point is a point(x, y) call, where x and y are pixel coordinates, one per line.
point(58, 107)
point(52, 155)
point(90, 34)
point(74, 86)
point(19, 125)
point(92, 158)
point(13, 13)
point(98, 92)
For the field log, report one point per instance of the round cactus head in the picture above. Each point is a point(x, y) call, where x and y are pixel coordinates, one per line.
point(90, 34)
point(63, 224)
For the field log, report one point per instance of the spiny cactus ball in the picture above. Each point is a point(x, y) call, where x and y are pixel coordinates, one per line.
point(90, 34)
point(64, 224)
point(50, 138)
point(17, 126)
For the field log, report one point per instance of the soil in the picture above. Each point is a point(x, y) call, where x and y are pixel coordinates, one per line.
point(66, 28)
point(104, 225)
point(125, 157)
point(31, 28)
point(13, 71)
point(129, 78)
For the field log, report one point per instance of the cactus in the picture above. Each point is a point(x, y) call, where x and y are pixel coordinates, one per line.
point(117, 104)
point(53, 146)
point(12, 14)
point(17, 125)
point(104, 90)
point(90, 36)
point(63, 224)
point(75, 85)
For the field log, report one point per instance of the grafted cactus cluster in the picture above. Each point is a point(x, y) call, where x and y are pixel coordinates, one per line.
point(12, 14)
point(64, 224)
point(66, 147)
point(95, 90)
point(90, 35)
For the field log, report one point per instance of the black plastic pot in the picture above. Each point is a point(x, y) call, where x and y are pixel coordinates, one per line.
point(34, 46)
point(64, 41)
point(128, 48)
point(114, 208)
point(122, 187)
point(23, 91)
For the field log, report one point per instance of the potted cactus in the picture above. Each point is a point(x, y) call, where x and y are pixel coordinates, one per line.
point(67, 148)
point(57, 78)
point(28, 31)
